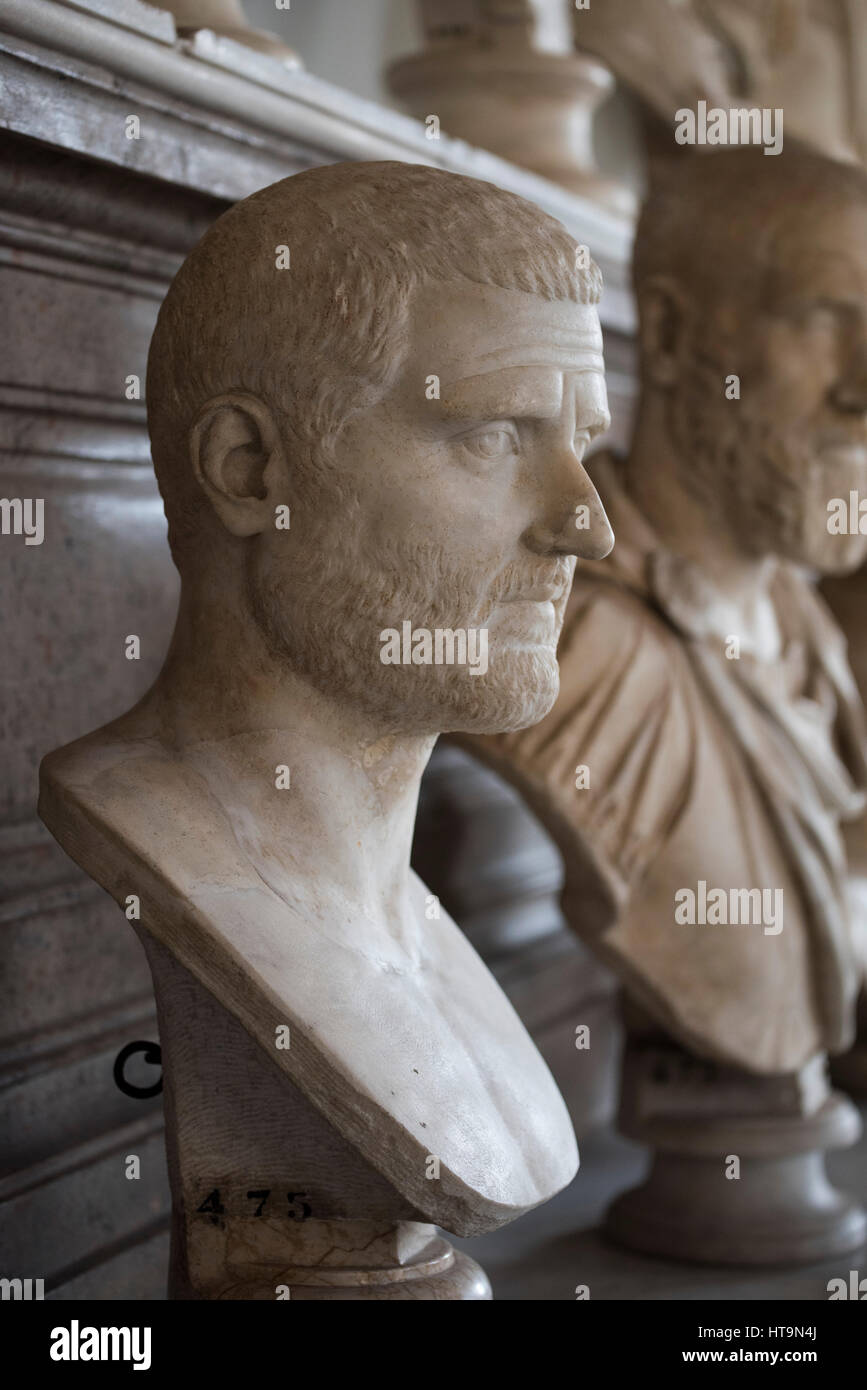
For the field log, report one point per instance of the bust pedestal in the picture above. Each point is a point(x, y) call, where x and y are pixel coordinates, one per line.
point(497, 81)
point(268, 1201)
point(227, 18)
point(775, 1205)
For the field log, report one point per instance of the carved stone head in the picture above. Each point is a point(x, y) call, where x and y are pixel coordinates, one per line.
point(370, 391)
point(751, 278)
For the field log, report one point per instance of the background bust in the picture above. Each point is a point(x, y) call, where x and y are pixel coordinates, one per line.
point(704, 686)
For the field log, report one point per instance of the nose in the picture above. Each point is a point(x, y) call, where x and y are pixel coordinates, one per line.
point(572, 520)
point(849, 393)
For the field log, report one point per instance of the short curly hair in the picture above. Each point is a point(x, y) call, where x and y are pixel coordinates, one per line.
point(712, 217)
point(326, 338)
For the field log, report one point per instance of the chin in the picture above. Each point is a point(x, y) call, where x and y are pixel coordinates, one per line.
point(841, 562)
point(514, 694)
point(829, 555)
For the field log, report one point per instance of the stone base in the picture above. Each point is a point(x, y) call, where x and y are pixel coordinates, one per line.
point(338, 1261)
point(259, 40)
point(226, 19)
point(269, 1201)
point(535, 109)
point(780, 1210)
point(455, 1278)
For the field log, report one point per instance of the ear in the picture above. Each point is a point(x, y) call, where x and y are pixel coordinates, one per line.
point(665, 316)
point(238, 458)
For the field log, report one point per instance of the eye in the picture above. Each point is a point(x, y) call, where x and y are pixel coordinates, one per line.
point(819, 317)
point(493, 442)
point(822, 317)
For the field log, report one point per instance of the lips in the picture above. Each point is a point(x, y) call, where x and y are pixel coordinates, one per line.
point(538, 584)
point(542, 594)
point(526, 622)
point(853, 450)
point(551, 592)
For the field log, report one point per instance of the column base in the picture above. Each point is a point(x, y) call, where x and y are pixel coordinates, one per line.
point(780, 1209)
point(311, 1260)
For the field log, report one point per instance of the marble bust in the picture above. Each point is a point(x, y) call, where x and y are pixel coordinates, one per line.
point(708, 741)
point(370, 390)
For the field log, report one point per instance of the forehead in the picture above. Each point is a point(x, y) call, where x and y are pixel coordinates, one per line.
point(462, 331)
point(823, 248)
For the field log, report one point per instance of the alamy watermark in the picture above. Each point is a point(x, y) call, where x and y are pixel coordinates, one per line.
point(23, 516)
point(444, 646)
point(740, 125)
point(847, 518)
point(77, 1343)
point(721, 907)
point(22, 1290)
point(852, 1288)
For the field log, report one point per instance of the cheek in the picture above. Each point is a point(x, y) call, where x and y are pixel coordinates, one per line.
point(790, 373)
point(437, 516)
point(437, 502)
point(411, 489)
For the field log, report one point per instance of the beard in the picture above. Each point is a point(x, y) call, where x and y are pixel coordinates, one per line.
point(766, 481)
point(324, 620)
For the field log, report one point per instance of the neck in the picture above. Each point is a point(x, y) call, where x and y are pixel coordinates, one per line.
point(224, 698)
point(687, 527)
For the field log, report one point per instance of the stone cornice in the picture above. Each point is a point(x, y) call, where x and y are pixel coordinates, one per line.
point(220, 119)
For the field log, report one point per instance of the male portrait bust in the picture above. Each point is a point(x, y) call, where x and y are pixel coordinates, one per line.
point(704, 684)
point(708, 740)
point(370, 390)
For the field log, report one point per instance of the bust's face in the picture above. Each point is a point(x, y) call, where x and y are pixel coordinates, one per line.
point(465, 503)
point(797, 438)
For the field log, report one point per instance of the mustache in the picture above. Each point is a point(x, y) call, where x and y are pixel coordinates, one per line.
point(842, 439)
point(417, 565)
point(418, 579)
point(518, 580)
